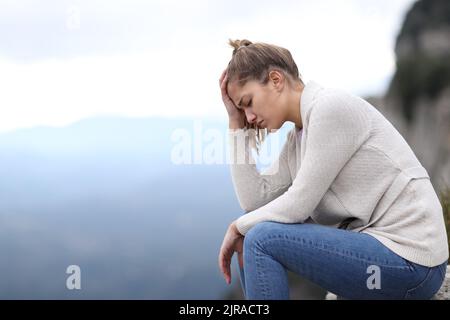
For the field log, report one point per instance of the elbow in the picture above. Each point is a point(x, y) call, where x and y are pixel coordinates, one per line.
point(249, 206)
point(252, 203)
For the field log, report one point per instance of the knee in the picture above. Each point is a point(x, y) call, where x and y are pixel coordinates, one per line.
point(257, 233)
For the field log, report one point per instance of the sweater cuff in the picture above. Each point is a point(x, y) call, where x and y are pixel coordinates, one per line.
point(244, 223)
point(240, 227)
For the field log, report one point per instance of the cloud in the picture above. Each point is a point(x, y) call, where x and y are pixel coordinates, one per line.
point(66, 29)
point(66, 60)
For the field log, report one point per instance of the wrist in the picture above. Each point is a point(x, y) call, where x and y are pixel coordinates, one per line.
point(236, 124)
point(234, 228)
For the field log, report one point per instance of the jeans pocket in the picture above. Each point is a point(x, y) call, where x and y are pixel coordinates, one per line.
point(429, 285)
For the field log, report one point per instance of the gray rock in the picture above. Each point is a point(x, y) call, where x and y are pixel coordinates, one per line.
point(443, 293)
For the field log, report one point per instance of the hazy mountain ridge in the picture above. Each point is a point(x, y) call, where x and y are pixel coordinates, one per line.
point(103, 194)
point(418, 98)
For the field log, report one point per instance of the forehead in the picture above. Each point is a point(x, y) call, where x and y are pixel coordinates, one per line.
point(237, 92)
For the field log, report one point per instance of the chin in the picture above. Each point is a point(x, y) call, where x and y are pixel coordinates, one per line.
point(276, 126)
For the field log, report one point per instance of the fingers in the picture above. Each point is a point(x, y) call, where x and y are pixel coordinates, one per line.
point(222, 76)
point(240, 251)
point(224, 264)
point(230, 244)
point(227, 272)
point(241, 260)
point(223, 85)
point(223, 81)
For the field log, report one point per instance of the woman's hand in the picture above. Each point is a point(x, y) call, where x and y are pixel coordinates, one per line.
point(234, 114)
point(233, 241)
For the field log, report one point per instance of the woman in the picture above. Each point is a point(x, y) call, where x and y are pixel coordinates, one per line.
point(347, 206)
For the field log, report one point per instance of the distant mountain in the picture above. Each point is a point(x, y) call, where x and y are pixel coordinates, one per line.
point(418, 98)
point(104, 194)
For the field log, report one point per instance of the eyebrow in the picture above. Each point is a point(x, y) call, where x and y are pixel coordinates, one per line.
point(240, 101)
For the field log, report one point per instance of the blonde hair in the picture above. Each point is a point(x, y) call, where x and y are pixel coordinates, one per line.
point(253, 61)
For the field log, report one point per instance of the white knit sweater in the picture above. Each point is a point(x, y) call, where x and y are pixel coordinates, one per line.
point(350, 169)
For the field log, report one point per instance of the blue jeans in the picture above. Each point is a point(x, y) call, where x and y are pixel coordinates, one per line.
point(349, 264)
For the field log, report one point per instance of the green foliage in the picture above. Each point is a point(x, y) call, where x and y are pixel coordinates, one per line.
point(445, 201)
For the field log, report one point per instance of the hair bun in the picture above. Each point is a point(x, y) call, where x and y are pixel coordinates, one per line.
point(244, 43)
point(238, 44)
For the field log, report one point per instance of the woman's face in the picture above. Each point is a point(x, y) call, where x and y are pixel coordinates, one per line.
point(263, 105)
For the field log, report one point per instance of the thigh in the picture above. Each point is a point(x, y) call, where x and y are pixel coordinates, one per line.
point(350, 264)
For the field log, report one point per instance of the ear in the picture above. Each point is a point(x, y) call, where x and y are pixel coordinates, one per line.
point(277, 79)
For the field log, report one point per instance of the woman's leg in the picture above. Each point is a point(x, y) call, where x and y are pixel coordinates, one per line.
point(306, 290)
point(351, 265)
point(241, 277)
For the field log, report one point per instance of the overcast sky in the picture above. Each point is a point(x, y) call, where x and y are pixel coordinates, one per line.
point(61, 61)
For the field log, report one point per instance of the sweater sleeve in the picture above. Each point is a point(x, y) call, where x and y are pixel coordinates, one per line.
point(255, 189)
point(338, 126)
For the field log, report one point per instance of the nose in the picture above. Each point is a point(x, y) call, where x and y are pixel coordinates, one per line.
point(251, 117)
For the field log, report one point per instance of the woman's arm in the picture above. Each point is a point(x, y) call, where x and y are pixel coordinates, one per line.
point(252, 188)
point(255, 189)
point(337, 129)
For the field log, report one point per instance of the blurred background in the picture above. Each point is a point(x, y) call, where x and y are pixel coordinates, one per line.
point(113, 132)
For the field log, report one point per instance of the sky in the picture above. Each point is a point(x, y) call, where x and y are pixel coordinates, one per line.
point(62, 61)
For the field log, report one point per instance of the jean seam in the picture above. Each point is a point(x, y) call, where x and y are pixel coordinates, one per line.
point(296, 240)
point(263, 279)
